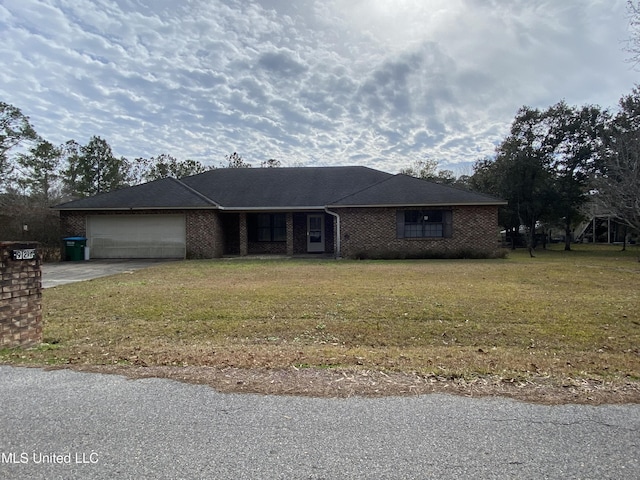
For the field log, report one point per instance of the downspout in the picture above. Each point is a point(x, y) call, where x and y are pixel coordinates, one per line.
point(337, 217)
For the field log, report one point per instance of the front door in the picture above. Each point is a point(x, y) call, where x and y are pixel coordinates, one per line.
point(315, 233)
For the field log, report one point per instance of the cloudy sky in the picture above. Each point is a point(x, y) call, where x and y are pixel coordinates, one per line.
point(379, 83)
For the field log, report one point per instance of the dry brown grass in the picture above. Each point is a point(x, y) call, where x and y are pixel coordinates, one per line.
point(560, 317)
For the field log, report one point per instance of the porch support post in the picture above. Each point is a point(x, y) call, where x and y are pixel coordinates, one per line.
point(244, 237)
point(289, 234)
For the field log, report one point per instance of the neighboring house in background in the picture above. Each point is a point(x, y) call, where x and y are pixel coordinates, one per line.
point(604, 229)
point(344, 211)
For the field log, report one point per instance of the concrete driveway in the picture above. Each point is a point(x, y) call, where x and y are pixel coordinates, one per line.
point(54, 274)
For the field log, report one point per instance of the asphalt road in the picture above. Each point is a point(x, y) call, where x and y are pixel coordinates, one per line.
point(65, 424)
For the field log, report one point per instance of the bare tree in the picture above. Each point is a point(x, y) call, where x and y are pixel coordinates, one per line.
point(165, 165)
point(633, 42)
point(618, 185)
point(236, 161)
point(271, 163)
point(426, 169)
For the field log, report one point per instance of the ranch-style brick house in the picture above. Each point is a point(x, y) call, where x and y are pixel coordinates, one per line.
point(342, 211)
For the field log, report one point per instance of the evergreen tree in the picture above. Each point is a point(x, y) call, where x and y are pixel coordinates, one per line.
point(167, 166)
point(39, 171)
point(15, 128)
point(93, 169)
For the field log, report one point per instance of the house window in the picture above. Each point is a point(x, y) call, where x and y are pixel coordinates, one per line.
point(424, 223)
point(268, 227)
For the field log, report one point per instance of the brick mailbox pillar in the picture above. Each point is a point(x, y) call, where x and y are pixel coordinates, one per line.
point(20, 295)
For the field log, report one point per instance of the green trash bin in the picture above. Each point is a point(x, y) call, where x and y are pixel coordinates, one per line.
point(74, 248)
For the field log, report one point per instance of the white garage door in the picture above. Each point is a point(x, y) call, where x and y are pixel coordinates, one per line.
point(136, 236)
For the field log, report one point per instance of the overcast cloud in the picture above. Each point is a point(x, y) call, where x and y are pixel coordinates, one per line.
point(378, 83)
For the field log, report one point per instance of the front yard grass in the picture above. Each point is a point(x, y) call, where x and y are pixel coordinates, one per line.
point(557, 316)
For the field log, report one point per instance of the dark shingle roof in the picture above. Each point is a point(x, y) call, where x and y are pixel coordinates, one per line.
point(164, 193)
point(407, 191)
point(282, 188)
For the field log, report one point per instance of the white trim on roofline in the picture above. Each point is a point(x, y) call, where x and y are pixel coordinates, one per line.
point(127, 209)
point(271, 209)
point(405, 205)
point(286, 209)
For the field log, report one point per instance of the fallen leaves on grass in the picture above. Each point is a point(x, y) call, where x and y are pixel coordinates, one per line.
point(343, 383)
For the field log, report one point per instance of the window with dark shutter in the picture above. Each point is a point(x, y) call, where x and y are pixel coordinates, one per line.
point(424, 223)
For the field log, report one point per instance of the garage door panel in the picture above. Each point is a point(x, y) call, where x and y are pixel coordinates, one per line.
point(137, 236)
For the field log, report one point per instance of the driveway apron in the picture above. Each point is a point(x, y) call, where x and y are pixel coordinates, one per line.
point(54, 274)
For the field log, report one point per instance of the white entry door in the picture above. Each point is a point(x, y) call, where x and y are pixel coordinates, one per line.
point(315, 233)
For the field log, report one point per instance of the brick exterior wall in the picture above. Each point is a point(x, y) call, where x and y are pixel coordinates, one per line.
point(73, 224)
point(244, 236)
point(364, 231)
point(372, 232)
point(290, 249)
point(267, 248)
point(299, 232)
point(20, 297)
point(330, 233)
point(204, 234)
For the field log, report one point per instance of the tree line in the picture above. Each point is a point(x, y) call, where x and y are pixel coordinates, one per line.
point(48, 173)
point(556, 161)
point(35, 174)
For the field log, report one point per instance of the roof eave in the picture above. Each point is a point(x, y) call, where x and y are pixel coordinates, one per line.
point(272, 209)
point(281, 208)
point(404, 205)
point(115, 209)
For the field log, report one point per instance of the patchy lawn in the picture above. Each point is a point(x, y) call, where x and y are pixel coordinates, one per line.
point(564, 326)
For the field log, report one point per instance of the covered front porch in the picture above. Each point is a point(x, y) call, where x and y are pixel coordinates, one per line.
point(278, 233)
